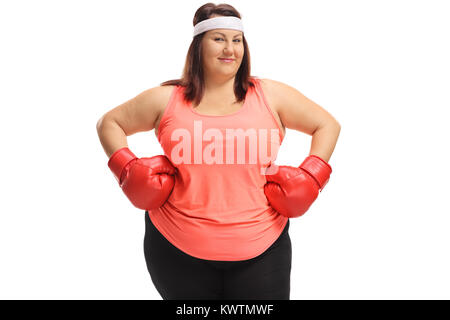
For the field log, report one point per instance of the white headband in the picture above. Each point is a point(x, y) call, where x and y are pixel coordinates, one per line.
point(218, 23)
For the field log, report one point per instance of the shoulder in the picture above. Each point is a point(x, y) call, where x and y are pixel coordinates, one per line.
point(159, 96)
point(296, 111)
point(274, 91)
point(277, 88)
point(281, 94)
point(162, 94)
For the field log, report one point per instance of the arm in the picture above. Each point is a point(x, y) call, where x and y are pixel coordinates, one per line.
point(147, 182)
point(324, 140)
point(299, 113)
point(135, 115)
point(292, 190)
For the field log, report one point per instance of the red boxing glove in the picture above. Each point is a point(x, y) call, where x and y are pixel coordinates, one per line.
point(291, 191)
point(147, 182)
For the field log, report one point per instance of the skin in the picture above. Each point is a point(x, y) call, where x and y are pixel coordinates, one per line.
point(290, 107)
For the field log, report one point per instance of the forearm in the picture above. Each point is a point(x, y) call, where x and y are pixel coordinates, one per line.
point(324, 140)
point(111, 136)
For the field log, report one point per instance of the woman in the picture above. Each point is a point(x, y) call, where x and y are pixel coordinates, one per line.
point(217, 207)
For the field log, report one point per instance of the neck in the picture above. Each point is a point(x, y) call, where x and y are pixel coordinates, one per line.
point(219, 88)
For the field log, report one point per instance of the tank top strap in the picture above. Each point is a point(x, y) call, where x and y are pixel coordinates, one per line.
point(261, 104)
point(174, 106)
point(176, 100)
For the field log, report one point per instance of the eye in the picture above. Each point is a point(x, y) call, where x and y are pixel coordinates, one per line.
point(238, 40)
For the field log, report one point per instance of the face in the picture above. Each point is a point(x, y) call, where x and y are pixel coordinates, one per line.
point(219, 44)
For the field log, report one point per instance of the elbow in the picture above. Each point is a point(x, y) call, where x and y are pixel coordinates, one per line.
point(338, 126)
point(335, 125)
point(329, 125)
point(101, 123)
point(337, 129)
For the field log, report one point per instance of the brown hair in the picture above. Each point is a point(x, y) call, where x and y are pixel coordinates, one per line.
point(192, 78)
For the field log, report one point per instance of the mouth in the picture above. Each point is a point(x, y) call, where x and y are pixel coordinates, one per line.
point(226, 60)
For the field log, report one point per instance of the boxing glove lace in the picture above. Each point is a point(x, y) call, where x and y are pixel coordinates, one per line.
point(291, 191)
point(147, 182)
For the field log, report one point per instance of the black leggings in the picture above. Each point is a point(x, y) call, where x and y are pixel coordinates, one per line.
point(177, 275)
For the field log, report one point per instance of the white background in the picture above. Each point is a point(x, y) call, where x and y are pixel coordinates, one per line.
point(379, 230)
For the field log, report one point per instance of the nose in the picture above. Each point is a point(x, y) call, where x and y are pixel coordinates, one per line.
point(228, 50)
point(228, 45)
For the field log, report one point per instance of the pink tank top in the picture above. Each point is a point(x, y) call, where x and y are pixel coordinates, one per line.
point(217, 209)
